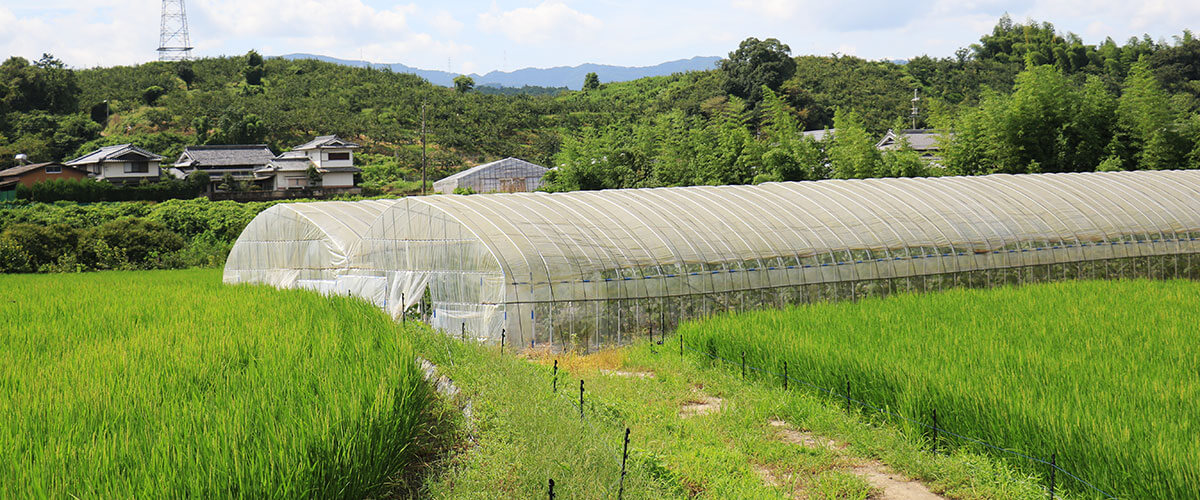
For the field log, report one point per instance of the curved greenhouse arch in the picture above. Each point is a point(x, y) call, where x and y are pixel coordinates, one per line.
point(305, 245)
point(597, 267)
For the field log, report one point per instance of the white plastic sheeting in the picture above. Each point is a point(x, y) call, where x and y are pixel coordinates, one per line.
point(589, 268)
point(307, 245)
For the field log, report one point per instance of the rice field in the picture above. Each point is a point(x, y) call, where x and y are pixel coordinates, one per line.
point(1106, 375)
point(170, 384)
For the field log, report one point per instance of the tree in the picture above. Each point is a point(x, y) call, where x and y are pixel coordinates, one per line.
point(151, 94)
point(591, 81)
point(185, 72)
point(755, 64)
point(253, 72)
point(852, 154)
point(314, 176)
point(463, 83)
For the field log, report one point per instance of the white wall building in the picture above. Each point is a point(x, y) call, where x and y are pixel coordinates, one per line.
point(123, 163)
point(332, 157)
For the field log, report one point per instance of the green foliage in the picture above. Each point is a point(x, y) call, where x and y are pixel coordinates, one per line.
point(591, 81)
point(134, 384)
point(314, 175)
point(254, 70)
point(852, 153)
point(87, 190)
point(184, 71)
point(754, 65)
point(1075, 381)
point(151, 94)
point(463, 83)
point(464, 190)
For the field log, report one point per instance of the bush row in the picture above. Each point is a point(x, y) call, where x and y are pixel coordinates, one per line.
point(89, 191)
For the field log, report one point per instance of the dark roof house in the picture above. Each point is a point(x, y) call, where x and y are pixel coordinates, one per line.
point(224, 157)
point(119, 163)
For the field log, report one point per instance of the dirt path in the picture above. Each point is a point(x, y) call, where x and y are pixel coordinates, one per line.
point(891, 486)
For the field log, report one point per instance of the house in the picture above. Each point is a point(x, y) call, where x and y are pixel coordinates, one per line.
point(240, 161)
point(820, 134)
point(28, 175)
point(123, 163)
point(925, 141)
point(332, 157)
point(510, 175)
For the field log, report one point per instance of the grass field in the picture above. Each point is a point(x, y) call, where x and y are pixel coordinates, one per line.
point(1104, 374)
point(170, 384)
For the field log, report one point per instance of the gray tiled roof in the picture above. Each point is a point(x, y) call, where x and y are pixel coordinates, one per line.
point(819, 135)
point(327, 141)
point(225, 156)
point(921, 139)
point(107, 152)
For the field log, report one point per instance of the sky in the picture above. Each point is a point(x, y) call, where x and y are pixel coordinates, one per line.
point(481, 36)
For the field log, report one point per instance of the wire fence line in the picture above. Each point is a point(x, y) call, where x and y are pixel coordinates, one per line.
point(587, 418)
point(866, 404)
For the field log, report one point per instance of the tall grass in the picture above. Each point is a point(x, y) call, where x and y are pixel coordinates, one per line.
point(169, 384)
point(1104, 374)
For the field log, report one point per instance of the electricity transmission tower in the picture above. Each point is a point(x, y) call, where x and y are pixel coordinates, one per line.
point(174, 44)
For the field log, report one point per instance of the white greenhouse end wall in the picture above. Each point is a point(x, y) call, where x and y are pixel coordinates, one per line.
point(306, 245)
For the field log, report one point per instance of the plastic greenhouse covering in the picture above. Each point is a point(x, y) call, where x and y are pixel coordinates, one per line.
point(307, 245)
point(584, 269)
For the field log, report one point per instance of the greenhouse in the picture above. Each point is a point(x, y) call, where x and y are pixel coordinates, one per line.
point(583, 269)
point(307, 245)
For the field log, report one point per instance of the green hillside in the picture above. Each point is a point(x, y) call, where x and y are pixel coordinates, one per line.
point(1024, 98)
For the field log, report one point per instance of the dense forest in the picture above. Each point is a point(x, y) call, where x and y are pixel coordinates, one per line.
point(1024, 98)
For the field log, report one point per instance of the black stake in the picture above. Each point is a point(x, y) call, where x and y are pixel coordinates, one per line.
point(847, 395)
point(743, 365)
point(502, 341)
point(1053, 465)
point(652, 333)
point(681, 346)
point(624, 455)
point(785, 377)
point(935, 430)
point(580, 399)
point(403, 310)
point(464, 331)
point(551, 489)
point(555, 383)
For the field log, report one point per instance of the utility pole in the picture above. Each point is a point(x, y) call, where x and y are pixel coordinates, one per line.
point(915, 110)
point(423, 161)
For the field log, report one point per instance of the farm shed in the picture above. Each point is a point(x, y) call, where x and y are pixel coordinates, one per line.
point(510, 175)
point(306, 245)
point(582, 269)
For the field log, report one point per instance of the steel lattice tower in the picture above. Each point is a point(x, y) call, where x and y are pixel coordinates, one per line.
point(174, 44)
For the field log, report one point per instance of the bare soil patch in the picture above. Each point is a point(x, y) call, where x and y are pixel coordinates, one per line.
point(894, 486)
point(891, 486)
point(700, 404)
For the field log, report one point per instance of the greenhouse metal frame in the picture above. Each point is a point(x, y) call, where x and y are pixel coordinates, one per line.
point(585, 269)
point(581, 270)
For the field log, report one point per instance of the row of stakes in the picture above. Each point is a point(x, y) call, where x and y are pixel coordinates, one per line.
point(625, 453)
point(934, 427)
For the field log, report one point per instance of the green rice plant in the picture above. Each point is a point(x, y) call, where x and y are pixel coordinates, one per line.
point(1102, 374)
point(170, 384)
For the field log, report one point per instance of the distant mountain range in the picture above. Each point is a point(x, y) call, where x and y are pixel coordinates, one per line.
point(561, 76)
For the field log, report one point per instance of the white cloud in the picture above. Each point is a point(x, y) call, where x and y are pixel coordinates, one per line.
point(550, 20)
point(445, 23)
point(777, 9)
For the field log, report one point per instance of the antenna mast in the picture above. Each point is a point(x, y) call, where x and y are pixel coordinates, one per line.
point(915, 110)
point(174, 44)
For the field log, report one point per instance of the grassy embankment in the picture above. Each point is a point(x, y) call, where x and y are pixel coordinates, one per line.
point(522, 434)
point(170, 384)
point(1101, 373)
